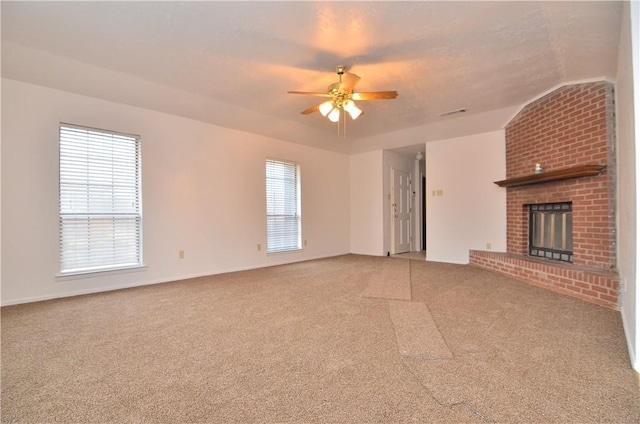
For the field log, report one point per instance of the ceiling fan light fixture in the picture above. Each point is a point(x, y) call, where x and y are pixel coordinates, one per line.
point(354, 111)
point(326, 107)
point(334, 115)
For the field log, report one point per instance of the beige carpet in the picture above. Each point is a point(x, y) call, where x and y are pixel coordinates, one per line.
point(415, 256)
point(300, 344)
point(416, 332)
point(392, 281)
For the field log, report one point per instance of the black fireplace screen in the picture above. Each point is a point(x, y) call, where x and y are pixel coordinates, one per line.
point(550, 231)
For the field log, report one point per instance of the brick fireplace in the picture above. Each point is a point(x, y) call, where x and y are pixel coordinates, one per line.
point(570, 133)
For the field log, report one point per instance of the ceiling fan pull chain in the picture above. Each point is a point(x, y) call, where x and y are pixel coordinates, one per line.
point(344, 118)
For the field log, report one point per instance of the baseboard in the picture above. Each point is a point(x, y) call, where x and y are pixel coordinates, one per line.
point(635, 360)
point(99, 290)
point(151, 282)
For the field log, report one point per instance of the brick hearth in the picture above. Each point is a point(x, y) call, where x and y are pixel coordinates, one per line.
point(570, 127)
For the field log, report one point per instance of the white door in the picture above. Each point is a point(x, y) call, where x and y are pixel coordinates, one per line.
point(400, 211)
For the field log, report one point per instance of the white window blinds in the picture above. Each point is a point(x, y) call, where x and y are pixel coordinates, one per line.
point(283, 206)
point(100, 205)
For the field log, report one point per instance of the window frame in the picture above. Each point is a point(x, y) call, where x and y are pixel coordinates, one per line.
point(132, 216)
point(296, 215)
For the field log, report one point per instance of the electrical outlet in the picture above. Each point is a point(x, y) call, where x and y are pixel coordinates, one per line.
point(181, 254)
point(488, 246)
point(305, 242)
point(440, 193)
point(259, 247)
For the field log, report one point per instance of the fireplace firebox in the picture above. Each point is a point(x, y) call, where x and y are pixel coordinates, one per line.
point(550, 231)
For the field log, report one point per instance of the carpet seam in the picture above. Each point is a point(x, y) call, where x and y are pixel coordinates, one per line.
point(443, 404)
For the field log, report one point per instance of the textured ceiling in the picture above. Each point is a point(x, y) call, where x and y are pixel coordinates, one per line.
point(243, 57)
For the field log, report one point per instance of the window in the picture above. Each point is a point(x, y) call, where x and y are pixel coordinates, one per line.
point(100, 208)
point(283, 206)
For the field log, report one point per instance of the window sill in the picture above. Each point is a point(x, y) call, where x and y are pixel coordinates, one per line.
point(99, 273)
point(284, 252)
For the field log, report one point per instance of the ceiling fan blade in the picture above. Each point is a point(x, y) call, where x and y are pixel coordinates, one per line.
point(349, 81)
point(311, 110)
point(310, 93)
point(375, 95)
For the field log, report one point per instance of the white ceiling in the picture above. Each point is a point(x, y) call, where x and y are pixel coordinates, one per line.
point(232, 63)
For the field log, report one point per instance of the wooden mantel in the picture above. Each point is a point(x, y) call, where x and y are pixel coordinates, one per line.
point(560, 174)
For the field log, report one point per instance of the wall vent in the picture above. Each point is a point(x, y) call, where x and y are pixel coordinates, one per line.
point(453, 112)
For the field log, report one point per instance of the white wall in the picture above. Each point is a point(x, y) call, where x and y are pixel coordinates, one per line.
point(366, 203)
point(444, 128)
point(628, 155)
point(203, 192)
point(470, 214)
point(472, 210)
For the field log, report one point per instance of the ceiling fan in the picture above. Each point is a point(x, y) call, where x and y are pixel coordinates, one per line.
point(342, 97)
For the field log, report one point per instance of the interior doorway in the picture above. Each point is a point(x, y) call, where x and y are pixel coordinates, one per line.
point(401, 196)
point(404, 200)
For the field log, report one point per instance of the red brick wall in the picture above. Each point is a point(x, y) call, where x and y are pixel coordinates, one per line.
point(573, 125)
point(568, 127)
point(588, 284)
